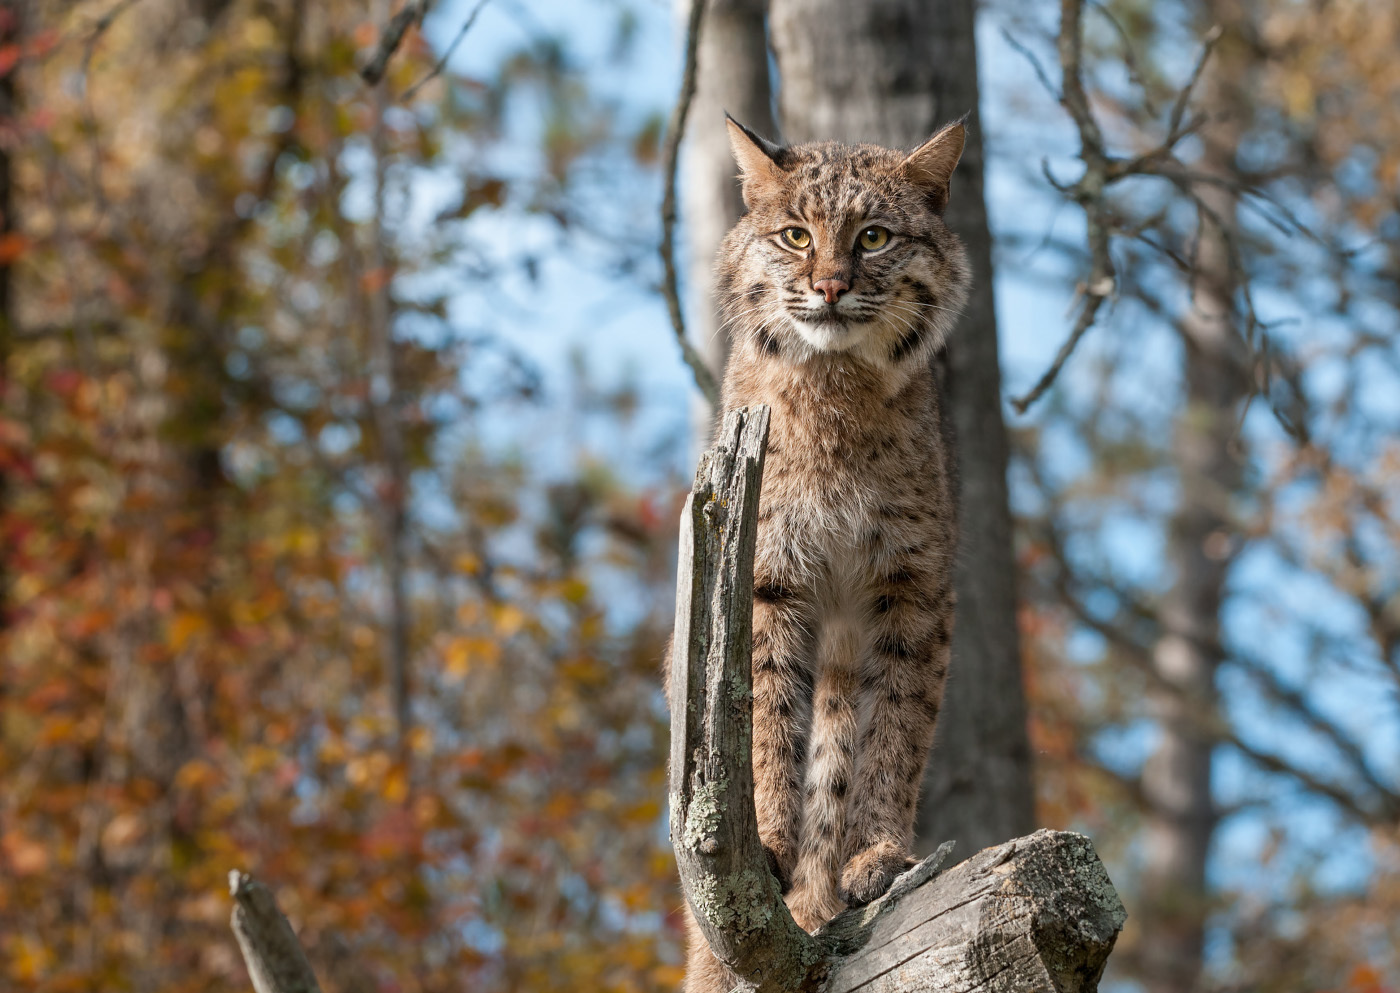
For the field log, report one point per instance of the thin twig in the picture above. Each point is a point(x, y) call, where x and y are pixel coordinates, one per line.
point(412, 12)
point(1035, 62)
point(704, 378)
point(1309, 781)
point(1130, 60)
point(441, 65)
point(1092, 302)
point(1184, 97)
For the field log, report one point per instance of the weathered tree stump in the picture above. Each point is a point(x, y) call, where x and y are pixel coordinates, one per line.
point(1037, 913)
point(275, 959)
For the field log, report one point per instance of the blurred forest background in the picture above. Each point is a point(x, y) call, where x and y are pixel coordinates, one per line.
point(343, 436)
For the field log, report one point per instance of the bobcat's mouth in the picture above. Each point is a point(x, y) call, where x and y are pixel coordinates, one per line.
point(826, 329)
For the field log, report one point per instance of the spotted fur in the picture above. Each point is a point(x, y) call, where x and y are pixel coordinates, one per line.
point(853, 599)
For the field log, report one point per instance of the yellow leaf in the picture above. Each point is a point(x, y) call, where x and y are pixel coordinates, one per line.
point(645, 812)
point(303, 541)
point(260, 758)
point(468, 563)
point(332, 750)
point(458, 655)
point(462, 653)
point(184, 626)
point(58, 729)
point(396, 785)
point(509, 619)
point(30, 959)
point(194, 773)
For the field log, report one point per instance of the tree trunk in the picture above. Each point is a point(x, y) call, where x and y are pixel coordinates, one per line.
point(732, 77)
point(1176, 779)
point(892, 71)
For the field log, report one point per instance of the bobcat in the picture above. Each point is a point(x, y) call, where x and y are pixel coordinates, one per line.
point(838, 286)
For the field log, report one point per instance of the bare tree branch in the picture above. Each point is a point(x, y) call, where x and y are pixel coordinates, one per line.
point(1101, 170)
point(1088, 311)
point(1035, 64)
point(1184, 97)
point(391, 37)
point(675, 131)
point(1088, 192)
point(441, 63)
point(1377, 804)
point(1130, 59)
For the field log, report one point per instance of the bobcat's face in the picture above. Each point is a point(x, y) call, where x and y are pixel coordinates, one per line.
point(844, 250)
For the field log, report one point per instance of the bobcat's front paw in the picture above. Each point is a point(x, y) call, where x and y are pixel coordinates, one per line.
point(782, 861)
point(869, 873)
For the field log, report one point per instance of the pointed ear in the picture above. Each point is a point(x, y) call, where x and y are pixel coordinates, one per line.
point(759, 160)
point(931, 165)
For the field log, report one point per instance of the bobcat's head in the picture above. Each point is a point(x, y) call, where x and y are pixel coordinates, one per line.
point(844, 249)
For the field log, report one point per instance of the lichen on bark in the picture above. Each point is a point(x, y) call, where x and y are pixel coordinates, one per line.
point(705, 814)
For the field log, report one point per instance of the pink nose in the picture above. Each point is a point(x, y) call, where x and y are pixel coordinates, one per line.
point(831, 288)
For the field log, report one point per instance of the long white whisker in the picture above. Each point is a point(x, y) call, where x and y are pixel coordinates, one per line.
point(898, 307)
point(908, 315)
point(908, 322)
point(916, 303)
point(733, 320)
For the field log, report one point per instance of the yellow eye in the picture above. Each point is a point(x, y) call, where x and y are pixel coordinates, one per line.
point(873, 238)
point(796, 237)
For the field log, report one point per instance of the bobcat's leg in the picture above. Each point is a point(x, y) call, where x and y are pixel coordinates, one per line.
point(782, 708)
point(830, 770)
point(902, 690)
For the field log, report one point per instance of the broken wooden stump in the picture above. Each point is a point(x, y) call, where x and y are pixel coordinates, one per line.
point(1037, 913)
point(275, 959)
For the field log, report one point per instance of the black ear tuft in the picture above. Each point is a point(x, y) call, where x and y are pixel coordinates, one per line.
point(761, 162)
point(775, 152)
point(931, 165)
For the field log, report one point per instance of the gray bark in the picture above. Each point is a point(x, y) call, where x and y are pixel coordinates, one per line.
point(892, 71)
point(714, 828)
point(732, 76)
point(1038, 913)
point(275, 960)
